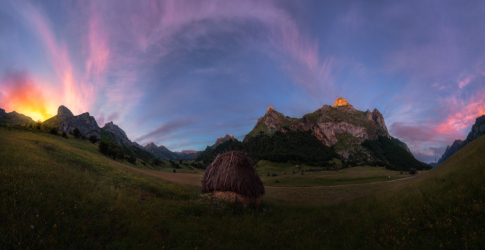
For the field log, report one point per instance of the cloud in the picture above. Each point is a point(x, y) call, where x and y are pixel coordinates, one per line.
point(166, 129)
point(464, 82)
point(20, 93)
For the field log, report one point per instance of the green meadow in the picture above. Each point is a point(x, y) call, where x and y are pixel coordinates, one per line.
point(58, 193)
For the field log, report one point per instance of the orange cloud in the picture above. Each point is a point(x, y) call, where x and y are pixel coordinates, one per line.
point(20, 93)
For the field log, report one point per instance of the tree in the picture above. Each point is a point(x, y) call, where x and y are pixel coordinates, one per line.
point(76, 133)
point(64, 135)
point(412, 171)
point(131, 158)
point(93, 139)
point(54, 131)
point(103, 147)
point(174, 170)
point(157, 162)
point(38, 124)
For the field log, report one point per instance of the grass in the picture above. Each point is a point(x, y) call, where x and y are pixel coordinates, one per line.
point(63, 194)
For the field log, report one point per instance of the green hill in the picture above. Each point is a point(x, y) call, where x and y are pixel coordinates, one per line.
point(64, 194)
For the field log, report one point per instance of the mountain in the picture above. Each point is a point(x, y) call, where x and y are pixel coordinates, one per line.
point(340, 126)
point(457, 145)
point(65, 121)
point(14, 118)
point(221, 139)
point(161, 151)
point(188, 154)
point(478, 129)
point(115, 133)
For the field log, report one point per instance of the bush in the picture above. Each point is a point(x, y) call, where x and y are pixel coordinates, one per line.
point(268, 174)
point(174, 170)
point(104, 147)
point(76, 133)
point(157, 162)
point(64, 135)
point(93, 139)
point(412, 171)
point(54, 131)
point(38, 124)
point(302, 173)
point(131, 158)
point(273, 175)
point(401, 172)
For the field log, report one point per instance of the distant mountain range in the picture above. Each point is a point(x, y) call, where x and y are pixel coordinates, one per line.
point(164, 153)
point(14, 118)
point(478, 129)
point(66, 121)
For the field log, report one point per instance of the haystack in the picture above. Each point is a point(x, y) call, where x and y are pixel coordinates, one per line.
point(231, 176)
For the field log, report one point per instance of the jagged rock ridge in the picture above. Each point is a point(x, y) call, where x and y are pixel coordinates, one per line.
point(478, 129)
point(65, 121)
point(227, 137)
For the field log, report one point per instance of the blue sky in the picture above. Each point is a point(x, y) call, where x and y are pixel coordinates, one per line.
point(182, 73)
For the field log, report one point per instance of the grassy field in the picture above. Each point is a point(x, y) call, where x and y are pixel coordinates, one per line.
point(63, 194)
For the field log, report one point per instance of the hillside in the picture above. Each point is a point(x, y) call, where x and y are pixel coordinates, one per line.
point(61, 194)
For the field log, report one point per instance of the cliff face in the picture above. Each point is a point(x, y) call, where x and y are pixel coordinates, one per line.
point(341, 125)
point(478, 129)
point(65, 121)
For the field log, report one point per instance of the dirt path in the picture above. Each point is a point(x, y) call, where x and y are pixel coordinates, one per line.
point(342, 185)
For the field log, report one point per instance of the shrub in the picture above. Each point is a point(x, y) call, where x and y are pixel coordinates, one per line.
point(174, 170)
point(38, 124)
point(54, 131)
point(64, 135)
point(294, 172)
point(401, 172)
point(76, 133)
point(273, 175)
point(144, 164)
point(302, 173)
point(103, 147)
point(157, 162)
point(131, 158)
point(268, 174)
point(93, 139)
point(412, 171)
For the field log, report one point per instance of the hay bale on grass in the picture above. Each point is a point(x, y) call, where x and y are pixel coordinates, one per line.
point(231, 176)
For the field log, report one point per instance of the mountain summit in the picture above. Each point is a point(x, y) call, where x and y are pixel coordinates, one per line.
point(65, 121)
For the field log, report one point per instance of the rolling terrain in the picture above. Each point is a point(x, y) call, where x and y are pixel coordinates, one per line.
point(62, 193)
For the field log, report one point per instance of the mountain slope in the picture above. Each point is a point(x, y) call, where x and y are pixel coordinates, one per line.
point(161, 151)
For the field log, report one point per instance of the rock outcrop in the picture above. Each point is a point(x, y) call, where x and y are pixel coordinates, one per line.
point(340, 102)
point(478, 129)
point(14, 118)
point(227, 137)
point(65, 121)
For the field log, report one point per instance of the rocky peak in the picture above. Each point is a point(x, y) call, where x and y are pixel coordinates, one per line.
point(379, 120)
point(151, 145)
point(113, 127)
point(63, 113)
point(2, 112)
point(221, 139)
point(340, 102)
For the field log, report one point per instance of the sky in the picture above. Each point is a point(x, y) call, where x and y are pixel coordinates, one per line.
point(183, 73)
